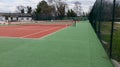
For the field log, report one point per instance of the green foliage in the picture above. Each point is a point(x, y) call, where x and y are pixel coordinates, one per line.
point(61, 10)
point(105, 30)
point(56, 9)
point(44, 11)
point(43, 8)
point(71, 13)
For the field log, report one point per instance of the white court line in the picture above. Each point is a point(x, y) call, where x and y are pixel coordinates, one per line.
point(21, 28)
point(13, 28)
point(54, 32)
point(24, 28)
point(30, 28)
point(39, 32)
point(36, 38)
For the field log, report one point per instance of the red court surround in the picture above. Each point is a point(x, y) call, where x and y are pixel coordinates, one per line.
point(28, 31)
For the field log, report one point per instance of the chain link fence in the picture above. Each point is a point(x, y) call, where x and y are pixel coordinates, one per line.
point(105, 19)
point(51, 17)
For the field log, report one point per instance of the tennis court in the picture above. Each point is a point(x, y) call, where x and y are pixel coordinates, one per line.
point(70, 47)
point(30, 30)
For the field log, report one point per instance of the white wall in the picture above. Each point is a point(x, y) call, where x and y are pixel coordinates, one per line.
point(2, 18)
point(24, 18)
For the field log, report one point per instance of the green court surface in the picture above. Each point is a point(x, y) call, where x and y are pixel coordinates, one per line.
point(72, 47)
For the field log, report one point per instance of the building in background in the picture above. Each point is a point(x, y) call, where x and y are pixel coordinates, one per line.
point(15, 17)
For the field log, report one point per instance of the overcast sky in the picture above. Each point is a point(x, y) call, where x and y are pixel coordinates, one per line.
point(10, 5)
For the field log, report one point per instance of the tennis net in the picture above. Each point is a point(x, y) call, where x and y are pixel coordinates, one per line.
point(47, 23)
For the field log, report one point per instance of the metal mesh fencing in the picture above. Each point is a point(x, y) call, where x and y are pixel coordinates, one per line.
point(105, 19)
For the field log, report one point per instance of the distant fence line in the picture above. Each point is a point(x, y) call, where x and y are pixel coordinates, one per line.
point(50, 17)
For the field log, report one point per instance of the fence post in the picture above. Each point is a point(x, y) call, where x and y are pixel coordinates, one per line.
point(95, 17)
point(112, 28)
point(100, 16)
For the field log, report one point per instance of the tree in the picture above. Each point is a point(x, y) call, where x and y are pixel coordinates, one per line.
point(117, 10)
point(61, 10)
point(29, 9)
point(107, 11)
point(77, 7)
point(71, 13)
point(84, 14)
point(43, 8)
point(44, 11)
point(21, 9)
point(60, 7)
